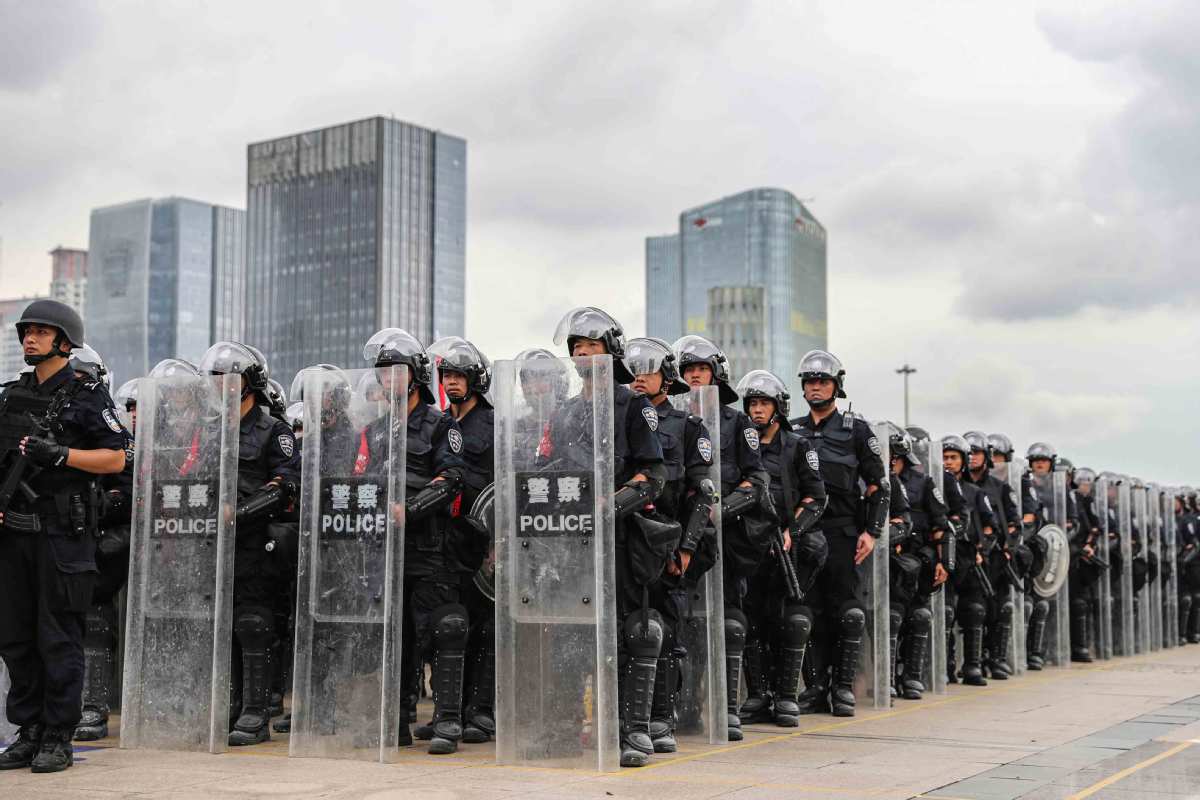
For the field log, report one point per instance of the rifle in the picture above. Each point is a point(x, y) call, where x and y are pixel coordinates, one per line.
point(789, 569)
point(984, 584)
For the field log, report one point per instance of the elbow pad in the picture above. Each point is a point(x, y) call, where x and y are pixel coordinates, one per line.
point(877, 509)
point(810, 513)
point(434, 496)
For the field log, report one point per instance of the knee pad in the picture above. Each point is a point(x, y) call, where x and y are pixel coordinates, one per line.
point(735, 631)
point(921, 620)
point(896, 618)
point(973, 614)
point(811, 549)
point(254, 629)
point(1041, 608)
point(644, 634)
point(950, 616)
point(1005, 612)
point(796, 628)
point(100, 630)
point(1079, 605)
point(450, 628)
point(853, 622)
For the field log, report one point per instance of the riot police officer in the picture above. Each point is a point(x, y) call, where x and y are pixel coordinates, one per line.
point(48, 533)
point(746, 517)
point(1041, 457)
point(854, 519)
point(687, 497)
point(1000, 608)
point(466, 377)
point(971, 583)
point(436, 573)
point(780, 620)
point(112, 563)
point(911, 614)
point(639, 475)
point(268, 476)
point(1086, 568)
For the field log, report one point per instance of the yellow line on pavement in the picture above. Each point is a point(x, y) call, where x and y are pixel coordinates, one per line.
point(1125, 773)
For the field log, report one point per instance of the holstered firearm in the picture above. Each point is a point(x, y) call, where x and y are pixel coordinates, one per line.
point(432, 497)
point(264, 502)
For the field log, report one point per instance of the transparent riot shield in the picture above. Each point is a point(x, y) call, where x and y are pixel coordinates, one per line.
point(933, 671)
point(1101, 612)
point(1125, 638)
point(556, 619)
point(179, 614)
point(349, 600)
point(1052, 492)
point(1010, 474)
point(1170, 568)
point(1141, 599)
point(702, 706)
point(1155, 557)
point(874, 679)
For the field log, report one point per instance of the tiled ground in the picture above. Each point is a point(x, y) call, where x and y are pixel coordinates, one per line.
point(1053, 734)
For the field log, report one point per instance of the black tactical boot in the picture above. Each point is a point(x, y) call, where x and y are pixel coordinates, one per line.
point(757, 705)
point(951, 656)
point(253, 724)
point(853, 624)
point(911, 687)
point(643, 643)
point(789, 669)
point(735, 644)
point(479, 721)
point(815, 697)
point(21, 752)
point(449, 663)
point(93, 724)
point(998, 653)
point(1034, 658)
point(972, 656)
point(1081, 646)
point(662, 709)
point(55, 753)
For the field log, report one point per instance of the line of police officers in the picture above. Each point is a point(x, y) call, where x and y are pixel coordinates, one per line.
point(802, 501)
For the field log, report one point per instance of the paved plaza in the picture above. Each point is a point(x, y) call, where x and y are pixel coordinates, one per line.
point(1120, 729)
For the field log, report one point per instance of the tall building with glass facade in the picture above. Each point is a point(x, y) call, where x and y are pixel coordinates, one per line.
point(761, 238)
point(68, 276)
point(350, 229)
point(151, 290)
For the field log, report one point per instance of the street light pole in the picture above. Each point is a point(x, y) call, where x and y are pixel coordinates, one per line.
point(906, 370)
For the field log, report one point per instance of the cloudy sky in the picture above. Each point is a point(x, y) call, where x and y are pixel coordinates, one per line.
point(1012, 190)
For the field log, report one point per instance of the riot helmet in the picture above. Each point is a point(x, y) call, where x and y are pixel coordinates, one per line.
point(294, 417)
point(395, 347)
point(918, 434)
point(764, 384)
point(1064, 464)
point(174, 368)
point(646, 355)
point(55, 315)
point(126, 396)
point(901, 444)
point(544, 378)
point(954, 443)
point(1001, 444)
point(978, 442)
point(1085, 475)
point(456, 354)
point(821, 365)
point(87, 361)
point(589, 322)
point(693, 349)
point(235, 358)
point(276, 399)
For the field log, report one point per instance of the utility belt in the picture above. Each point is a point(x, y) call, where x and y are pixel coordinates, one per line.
point(76, 511)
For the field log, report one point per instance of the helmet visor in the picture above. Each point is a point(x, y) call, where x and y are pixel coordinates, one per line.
point(643, 356)
point(584, 322)
point(391, 340)
point(225, 358)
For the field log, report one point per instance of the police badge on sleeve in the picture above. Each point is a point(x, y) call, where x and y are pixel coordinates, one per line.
point(751, 437)
point(813, 461)
point(651, 418)
point(705, 447)
point(110, 419)
point(287, 444)
point(455, 440)
point(873, 443)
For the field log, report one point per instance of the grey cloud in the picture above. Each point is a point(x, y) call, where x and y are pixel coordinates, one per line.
point(39, 39)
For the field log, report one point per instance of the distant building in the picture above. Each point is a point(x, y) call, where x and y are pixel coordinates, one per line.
point(737, 318)
point(155, 268)
point(68, 276)
point(353, 228)
point(761, 238)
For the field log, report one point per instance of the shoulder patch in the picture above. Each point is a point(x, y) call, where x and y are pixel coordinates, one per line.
point(704, 445)
point(455, 439)
point(813, 461)
point(287, 444)
point(651, 417)
point(873, 443)
point(751, 437)
point(110, 419)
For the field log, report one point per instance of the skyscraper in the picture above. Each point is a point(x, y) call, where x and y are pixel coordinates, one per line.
point(354, 228)
point(760, 238)
point(68, 276)
point(12, 353)
point(153, 267)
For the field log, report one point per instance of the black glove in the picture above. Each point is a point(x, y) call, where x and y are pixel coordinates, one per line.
point(44, 452)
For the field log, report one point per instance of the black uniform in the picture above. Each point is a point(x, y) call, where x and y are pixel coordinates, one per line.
point(918, 555)
point(266, 451)
point(780, 625)
point(479, 686)
point(47, 577)
point(437, 557)
point(1083, 576)
point(999, 607)
point(859, 497)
